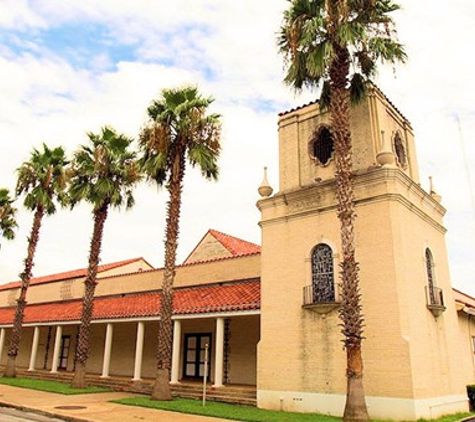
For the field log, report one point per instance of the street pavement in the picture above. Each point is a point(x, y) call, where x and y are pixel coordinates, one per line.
point(87, 407)
point(9, 414)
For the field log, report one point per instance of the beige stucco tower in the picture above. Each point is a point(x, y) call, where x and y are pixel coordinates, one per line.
point(411, 368)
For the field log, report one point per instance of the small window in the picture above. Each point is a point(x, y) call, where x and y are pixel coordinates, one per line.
point(323, 284)
point(322, 146)
point(400, 150)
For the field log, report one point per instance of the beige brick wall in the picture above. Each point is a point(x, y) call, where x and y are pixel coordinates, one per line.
point(465, 349)
point(297, 129)
point(72, 288)
point(243, 350)
point(208, 248)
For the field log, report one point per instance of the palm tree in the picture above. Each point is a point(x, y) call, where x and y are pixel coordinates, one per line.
point(7, 215)
point(103, 173)
point(335, 45)
point(43, 181)
point(178, 130)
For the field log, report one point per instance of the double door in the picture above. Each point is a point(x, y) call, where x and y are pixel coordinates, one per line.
point(195, 355)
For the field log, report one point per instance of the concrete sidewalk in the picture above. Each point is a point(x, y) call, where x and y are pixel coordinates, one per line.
point(88, 407)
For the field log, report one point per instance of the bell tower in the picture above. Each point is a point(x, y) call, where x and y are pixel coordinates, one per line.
point(380, 135)
point(410, 319)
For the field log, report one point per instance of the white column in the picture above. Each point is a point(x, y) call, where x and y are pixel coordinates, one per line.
point(219, 353)
point(57, 347)
point(107, 351)
point(34, 348)
point(176, 351)
point(2, 341)
point(139, 352)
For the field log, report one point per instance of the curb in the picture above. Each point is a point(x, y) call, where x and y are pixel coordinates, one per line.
point(44, 413)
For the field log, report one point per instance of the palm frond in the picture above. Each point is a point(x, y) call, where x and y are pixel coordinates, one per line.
point(178, 122)
point(311, 30)
point(8, 213)
point(104, 169)
point(43, 179)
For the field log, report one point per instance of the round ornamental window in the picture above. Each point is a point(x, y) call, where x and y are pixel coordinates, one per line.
point(322, 146)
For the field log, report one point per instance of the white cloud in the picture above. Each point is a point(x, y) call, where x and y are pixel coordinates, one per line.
point(16, 14)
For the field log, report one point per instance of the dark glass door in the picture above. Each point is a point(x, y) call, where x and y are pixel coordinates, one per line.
point(195, 352)
point(64, 352)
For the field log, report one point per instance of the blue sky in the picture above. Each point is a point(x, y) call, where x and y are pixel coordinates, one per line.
point(69, 67)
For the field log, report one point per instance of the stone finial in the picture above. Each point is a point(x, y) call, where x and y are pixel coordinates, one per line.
point(386, 157)
point(432, 192)
point(265, 189)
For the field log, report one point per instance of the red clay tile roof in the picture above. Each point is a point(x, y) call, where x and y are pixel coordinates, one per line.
point(235, 245)
point(464, 298)
point(235, 296)
point(226, 297)
point(69, 274)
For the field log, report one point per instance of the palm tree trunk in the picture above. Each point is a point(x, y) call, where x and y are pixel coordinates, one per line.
point(83, 344)
point(10, 369)
point(161, 388)
point(350, 312)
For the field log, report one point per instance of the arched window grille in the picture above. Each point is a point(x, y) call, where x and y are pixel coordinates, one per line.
point(432, 297)
point(400, 150)
point(323, 284)
point(322, 146)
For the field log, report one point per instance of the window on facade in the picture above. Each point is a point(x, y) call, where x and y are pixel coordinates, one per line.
point(430, 278)
point(323, 284)
point(322, 146)
point(400, 150)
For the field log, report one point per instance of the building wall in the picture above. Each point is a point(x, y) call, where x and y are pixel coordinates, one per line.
point(465, 345)
point(410, 361)
point(243, 349)
point(208, 248)
point(194, 274)
point(69, 288)
point(133, 267)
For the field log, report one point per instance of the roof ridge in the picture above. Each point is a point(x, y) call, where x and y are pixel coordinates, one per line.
point(79, 272)
point(463, 293)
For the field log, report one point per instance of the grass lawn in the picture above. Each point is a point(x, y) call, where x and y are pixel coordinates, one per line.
point(49, 386)
point(243, 413)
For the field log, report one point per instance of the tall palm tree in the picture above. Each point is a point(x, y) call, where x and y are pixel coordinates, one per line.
point(103, 173)
point(7, 215)
point(335, 45)
point(178, 131)
point(43, 180)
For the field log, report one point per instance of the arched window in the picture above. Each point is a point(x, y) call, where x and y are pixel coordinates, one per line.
point(430, 278)
point(322, 146)
point(400, 150)
point(434, 294)
point(323, 284)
